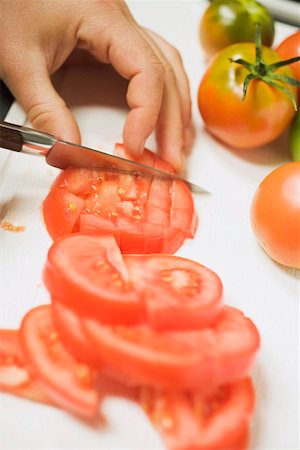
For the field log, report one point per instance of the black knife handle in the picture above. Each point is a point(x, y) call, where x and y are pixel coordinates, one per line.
point(11, 138)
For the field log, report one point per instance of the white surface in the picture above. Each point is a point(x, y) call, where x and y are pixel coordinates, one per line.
point(265, 291)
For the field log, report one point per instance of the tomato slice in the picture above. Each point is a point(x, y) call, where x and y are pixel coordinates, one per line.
point(68, 382)
point(14, 375)
point(177, 293)
point(190, 360)
point(69, 328)
point(88, 274)
point(215, 421)
point(130, 207)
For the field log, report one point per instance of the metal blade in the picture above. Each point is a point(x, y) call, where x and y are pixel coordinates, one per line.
point(64, 154)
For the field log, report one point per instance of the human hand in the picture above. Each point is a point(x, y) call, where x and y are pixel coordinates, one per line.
point(37, 37)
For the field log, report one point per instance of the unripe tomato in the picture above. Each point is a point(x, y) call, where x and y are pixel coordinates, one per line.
point(275, 214)
point(226, 22)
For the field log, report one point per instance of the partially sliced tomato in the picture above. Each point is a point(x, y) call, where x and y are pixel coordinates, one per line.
point(14, 375)
point(61, 210)
point(218, 421)
point(125, 205)
point(68, 382)
point(177, 293)
point(200, 359)
point(88, 274)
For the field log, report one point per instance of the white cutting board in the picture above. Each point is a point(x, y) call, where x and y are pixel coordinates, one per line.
point(265, 291)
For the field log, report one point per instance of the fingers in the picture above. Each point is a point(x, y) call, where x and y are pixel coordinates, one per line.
point(173, 57)
point(45, 109)
point(158, 91)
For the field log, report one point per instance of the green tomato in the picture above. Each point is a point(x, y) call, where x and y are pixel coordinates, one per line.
point(226, 22)
point(294, 138)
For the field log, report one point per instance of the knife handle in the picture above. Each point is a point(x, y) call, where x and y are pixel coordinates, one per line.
point(22, 139)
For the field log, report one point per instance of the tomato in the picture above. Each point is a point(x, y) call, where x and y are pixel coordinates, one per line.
point(144, 214)
point(214, 421)
point(294, 138)
point(89, 274)
point(251, 122)
point(177, 293)
point(68, 382)
point(14, 375)
point(275, 214)
point(226, 22)
point(196, 359)
point(289, 48)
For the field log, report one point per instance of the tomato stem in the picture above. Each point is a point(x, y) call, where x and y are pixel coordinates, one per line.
point(265, 72)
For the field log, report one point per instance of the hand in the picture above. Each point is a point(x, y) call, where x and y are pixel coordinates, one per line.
point(37, 36)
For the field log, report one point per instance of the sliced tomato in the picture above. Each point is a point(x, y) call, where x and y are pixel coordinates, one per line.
point(218, 421)
point(61, 210)
point(68, 382)
point(69, 328)
point(89, 274)
point(14, 375)
point(127, 206)
point(191, 360)
point(177, 293)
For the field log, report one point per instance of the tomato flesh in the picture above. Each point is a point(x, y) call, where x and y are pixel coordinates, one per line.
point(68, 382)
point(218, 420)
point(190, 360)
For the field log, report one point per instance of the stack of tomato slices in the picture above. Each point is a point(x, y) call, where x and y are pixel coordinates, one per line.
point(144, 214)
point(152, 322)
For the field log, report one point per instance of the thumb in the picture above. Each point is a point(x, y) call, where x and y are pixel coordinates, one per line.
point(44, 108)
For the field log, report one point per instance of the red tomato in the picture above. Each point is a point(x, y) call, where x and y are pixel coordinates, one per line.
point(144, 214)
point(198, 359)
point(14, 375)
point(251, 122)
point(198, 421)
point(289, 48)
point(66, 381)
point(88, 274)
point(275, 214)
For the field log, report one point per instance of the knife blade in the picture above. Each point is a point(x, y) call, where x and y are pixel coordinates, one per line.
point(62, 154)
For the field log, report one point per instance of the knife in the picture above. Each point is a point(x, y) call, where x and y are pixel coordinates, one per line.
point(62, 154)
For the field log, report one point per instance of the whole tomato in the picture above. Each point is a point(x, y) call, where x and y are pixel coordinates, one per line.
point(260, 116)
point(289, 48)
point(275, 214)
point(226, 22)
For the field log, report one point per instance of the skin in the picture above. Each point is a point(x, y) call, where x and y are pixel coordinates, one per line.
point(106, 30)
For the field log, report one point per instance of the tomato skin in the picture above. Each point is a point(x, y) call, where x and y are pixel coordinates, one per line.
point(275, 214)
point(196, 359)
point(226, 22)
point(218, 420)
point(252, 122)
point(289, 48)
